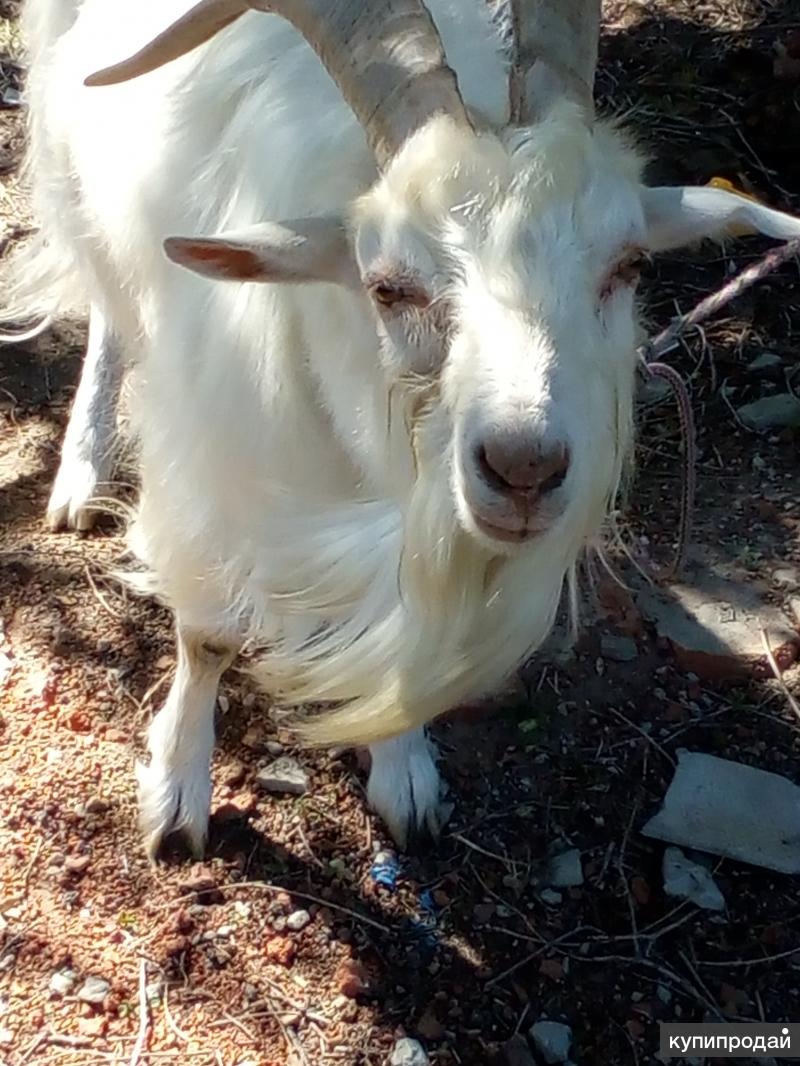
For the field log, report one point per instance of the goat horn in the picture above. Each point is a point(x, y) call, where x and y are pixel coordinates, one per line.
point(386, 57)
point(555, 50)
point(197, 26)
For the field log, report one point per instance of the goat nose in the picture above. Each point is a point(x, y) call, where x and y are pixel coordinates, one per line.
point(513, 467)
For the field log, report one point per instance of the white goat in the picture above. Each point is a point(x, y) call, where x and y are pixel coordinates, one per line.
point(382, 480)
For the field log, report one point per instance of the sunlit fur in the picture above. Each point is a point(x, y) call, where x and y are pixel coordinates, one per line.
point(304, 469)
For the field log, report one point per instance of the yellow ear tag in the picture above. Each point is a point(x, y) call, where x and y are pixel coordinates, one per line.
point(727, 186)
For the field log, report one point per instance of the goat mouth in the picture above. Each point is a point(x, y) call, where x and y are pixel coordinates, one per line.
point(507, 534)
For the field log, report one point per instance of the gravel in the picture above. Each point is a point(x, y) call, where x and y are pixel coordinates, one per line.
point(408, 1052)
point(283, 775)
point(94, 990)
point(297, 921)
point(552, 1040)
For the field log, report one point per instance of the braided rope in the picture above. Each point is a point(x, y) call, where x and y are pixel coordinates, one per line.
point(651, 352)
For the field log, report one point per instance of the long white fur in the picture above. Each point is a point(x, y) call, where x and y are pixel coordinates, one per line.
point(299, 490)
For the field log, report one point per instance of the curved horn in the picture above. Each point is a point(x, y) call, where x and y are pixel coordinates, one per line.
point(197, 26)
point(555, 53)
point(386, 57)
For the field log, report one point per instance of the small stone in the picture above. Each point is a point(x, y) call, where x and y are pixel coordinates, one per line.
point(224, 704)
point(234, 774)
point(351, 979)
point(94, 990)
point(517, 1053)
point(297, 921)
point(408, 1052)
point(201, 883)
point(618, 649)
point(283, 775)
point(254, 739)
point(77, 864)
point(551, 897)
point(565, 870)
point(687, 880)
point(94, 1026)
point(96, 805)
point(664, 995)
point(280, 949)
point(62, 982)
point(771, 412)
point(552, 1040)
point(552, 968)
point(429, 1026)
point(483, 912)
point(787, 577)
point(154, 992)
point(275, 748)
point(764, 361)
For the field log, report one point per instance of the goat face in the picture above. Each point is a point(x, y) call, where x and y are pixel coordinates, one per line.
point(502, 273)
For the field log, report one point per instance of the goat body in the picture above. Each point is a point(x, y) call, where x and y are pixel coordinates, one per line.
point(307, 486)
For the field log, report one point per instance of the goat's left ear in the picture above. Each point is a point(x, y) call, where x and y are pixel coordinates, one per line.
point(306, 249)
point(680, 215)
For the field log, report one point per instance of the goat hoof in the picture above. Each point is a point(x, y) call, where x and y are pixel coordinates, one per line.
point(70, 505)
point(170, 812)
point(406, 793)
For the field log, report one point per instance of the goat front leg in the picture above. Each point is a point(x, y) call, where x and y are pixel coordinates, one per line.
point(404, 787)
point(86, 454)
point(175, 789)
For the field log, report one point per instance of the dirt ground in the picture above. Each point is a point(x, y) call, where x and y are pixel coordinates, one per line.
point(466, 951)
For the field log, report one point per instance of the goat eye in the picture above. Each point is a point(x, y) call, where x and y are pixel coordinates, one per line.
point(394, 296)
point(386, 295)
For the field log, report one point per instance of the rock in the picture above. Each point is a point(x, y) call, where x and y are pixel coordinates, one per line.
point(351, 979)
point(549, 896)
point(96, 805)
point(408, 1052)
point(771, 412)
point(765, 361)
point(565, 870)
point(255, 738)
point(786, 577)
point(618, 649)
point(77, 864)
point(280, 949)
point(297, 921)
point(651, 390)
point(689, 880)
point(200, 882)
point(94, 990)
point(483, 912)
point(713, 620)
point(517, 1053)
point(429, 1026)
point(725, 808)
point(275, 748)
point(283, 775)
point(552, 1040)
point(62, 982)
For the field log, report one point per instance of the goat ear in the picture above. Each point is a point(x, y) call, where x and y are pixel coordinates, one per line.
point(306, 249)
point(682, 215)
